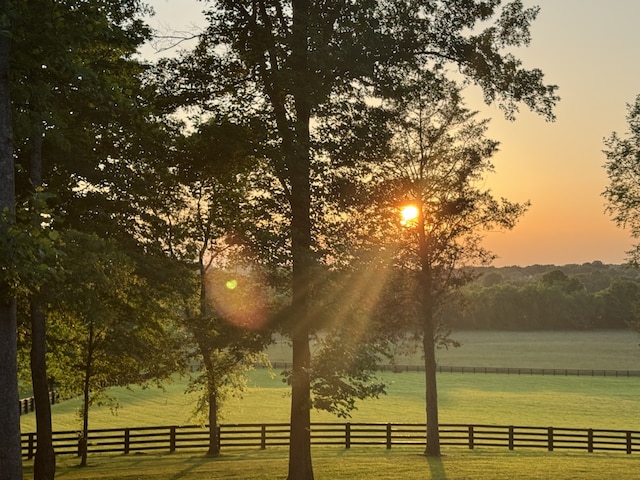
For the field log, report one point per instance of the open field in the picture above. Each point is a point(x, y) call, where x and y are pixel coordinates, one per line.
point(580, 349)
point(356, 464)
point(581, 402)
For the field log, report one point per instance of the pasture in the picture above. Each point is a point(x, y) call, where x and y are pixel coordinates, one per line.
point(559, 401)
point(581, 402)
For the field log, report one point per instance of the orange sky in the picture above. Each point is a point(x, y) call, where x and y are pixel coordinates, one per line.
point(591, 50)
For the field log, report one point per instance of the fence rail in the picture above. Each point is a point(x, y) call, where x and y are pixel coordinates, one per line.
point(173, 438)
point(27, 405)
point(500, 370)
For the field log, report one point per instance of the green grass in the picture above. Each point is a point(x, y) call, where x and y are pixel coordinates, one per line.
point(356, 464)
point(593, 349)
point(588, 349)
point(580, 402)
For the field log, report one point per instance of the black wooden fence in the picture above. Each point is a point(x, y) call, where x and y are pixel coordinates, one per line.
point(500, 370)
point(26, 405)
point(173, 438)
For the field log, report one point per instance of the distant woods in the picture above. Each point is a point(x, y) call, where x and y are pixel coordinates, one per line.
point(548, 297)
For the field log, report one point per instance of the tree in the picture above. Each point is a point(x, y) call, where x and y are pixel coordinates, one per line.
point(620, 305)
point(110, 326)
point(440, 157)
point(228, 330)
point(62, 69)
point(10, 445)
point(197, 222)
point(288, 60)
point(623, 169)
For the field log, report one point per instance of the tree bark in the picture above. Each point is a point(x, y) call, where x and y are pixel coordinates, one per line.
point(212, 397)
point(431, 387)
point(10, 448)
point(428, 339)
point(86, 397)
point(44, 467)
point(300, 464)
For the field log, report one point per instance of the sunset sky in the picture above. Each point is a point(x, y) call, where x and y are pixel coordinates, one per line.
point(591, 50)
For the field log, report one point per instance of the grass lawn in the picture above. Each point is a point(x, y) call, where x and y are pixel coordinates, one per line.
point(581, 402)
point(559, 401)
point(356, 464)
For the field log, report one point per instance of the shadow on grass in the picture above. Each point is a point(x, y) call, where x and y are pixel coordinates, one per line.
point(436, 467)
point(185, 471)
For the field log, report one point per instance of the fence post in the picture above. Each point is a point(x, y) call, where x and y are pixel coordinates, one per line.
point(32, 438)
point(629, 444)
point(127, 441)
point(172, 439)
point(263, 437)
point(590, 440)
point(511, 437)
point(550, 438)
point(471, 439)
point(388, 436)
point(347, 435)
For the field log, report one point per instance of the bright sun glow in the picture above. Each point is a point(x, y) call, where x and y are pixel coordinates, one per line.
point(231, 284)
point(409, 214)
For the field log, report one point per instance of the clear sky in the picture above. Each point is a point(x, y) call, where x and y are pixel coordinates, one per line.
point(591, 50)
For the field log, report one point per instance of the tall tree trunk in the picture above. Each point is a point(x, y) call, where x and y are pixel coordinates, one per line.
point(212, 400)
point(86, 397)
point(44, 467)
point(45, 461)
point(300, 465)
point(431, 394)
point(212, 391)
point(428, 338)
point(10, 448)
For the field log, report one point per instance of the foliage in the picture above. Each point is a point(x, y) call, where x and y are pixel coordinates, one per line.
point(101, 296)
point(623, 170)
point(585, 296)
point(106, 326)
point(295, 64)
point(29, 247)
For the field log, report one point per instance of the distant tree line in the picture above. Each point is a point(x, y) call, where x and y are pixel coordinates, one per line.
point(548, 297)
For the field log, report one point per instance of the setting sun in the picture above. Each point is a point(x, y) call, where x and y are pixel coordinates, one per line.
point(409, 214)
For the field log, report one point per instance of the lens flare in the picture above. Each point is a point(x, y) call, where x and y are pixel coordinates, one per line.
point(231, 284)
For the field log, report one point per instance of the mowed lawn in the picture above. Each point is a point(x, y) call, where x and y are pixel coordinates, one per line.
point(559, 401)
point(356, 464)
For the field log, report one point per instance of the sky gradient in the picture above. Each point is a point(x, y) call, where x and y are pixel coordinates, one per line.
point(591, 50)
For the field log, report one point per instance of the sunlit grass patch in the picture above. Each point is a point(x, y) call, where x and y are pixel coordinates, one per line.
point(356, 464)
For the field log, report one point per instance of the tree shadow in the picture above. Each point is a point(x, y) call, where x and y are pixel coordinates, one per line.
point(436, 468)
point(192, 465)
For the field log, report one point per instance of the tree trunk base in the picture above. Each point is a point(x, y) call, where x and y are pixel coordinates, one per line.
point(430, 454)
